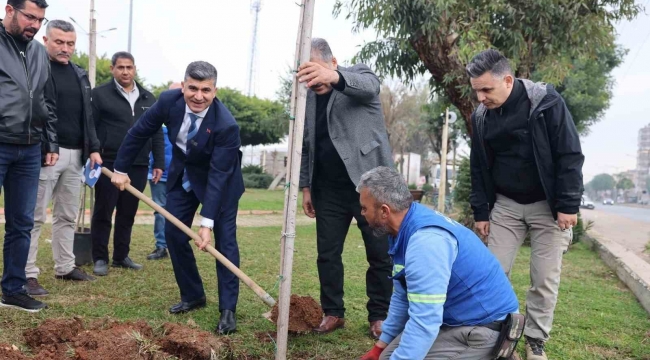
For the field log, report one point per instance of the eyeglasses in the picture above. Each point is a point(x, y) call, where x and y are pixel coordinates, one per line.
point(31, 18)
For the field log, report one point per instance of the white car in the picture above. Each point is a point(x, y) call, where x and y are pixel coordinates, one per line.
point(587, 203)
point(608, 202)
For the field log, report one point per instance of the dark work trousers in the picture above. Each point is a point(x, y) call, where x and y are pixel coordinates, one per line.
point(335, 208)
point(107, 199)
point(183, 206)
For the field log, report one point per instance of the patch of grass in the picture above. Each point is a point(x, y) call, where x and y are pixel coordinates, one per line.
point(647, 247)
point(253, 199)
point(596, 317)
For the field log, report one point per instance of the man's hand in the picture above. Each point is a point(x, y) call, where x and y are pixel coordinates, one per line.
point(156, 174)
point(566, 221)
point(120, 181)
point(483, 228)
point(95, 158)
point(376, 351)
point(51, 159)
point(307, 205)
point(206, 238)
point(315, 74)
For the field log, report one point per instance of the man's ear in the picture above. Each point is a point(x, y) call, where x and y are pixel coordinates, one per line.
point(510, 80)
point(385, 211)
point(335, 62)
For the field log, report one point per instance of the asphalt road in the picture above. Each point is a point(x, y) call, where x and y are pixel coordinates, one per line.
point(633, 213)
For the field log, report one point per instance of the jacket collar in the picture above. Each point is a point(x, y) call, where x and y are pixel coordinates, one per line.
point(144, 94)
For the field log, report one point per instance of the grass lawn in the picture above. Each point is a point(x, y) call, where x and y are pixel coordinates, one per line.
point(253, 199)
point(596, 318)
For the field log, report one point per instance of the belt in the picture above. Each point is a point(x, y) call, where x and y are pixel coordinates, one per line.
point(496, 325)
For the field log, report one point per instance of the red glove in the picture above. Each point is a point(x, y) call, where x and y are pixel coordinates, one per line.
point(373, 354)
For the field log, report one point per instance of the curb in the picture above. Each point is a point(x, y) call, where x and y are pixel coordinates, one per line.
point(629, 267)
point(150, 212)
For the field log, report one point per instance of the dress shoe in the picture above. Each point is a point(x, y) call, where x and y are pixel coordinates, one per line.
point(159, 253)
point(127, 263)
point(183, 307)
point(375, 329)
point(227, 323)
point(33, 288)
point(329, 324)
point(76, 274)
point(101, 268)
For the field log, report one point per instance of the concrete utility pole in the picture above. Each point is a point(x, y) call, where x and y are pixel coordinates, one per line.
point(450, 118)
point(130, 25)
point(92, 52)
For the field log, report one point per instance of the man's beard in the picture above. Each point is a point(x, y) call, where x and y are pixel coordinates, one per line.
point(379, 230)
point(14, 29)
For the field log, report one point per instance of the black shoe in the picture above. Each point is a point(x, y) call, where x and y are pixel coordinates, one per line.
point(76, 274)
point(101, 268)
point(159, 253)
point(183, 307)
point(227, 323)
point(127, 263)
point(33, 288)
point(23, 302)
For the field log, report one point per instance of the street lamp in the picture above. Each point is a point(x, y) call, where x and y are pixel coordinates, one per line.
point(449, 118)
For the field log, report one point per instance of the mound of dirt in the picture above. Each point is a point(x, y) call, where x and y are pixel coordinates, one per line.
point(11, 352)
point(112, 340)
point(304, 314)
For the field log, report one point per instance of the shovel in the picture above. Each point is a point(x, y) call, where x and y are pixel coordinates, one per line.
point(268, 300)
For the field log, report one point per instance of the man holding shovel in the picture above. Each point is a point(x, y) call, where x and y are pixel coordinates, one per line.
point(205, 169)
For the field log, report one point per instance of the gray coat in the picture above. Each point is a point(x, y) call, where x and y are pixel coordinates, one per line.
point(356, 126)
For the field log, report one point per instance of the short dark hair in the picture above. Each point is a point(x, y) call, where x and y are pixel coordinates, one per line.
point(61, 25)
point(488, 60)
point(121, 55)
point(201, 70)
point(20, 4)
point(321, 48)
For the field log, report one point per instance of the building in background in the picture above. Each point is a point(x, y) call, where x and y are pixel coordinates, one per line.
point(642, 159)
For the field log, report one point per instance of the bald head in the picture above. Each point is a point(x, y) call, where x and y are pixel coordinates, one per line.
point(175, 85)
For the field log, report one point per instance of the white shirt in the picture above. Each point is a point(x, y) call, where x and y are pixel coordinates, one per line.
point(181, 142)
point(130, 96)
point(181, 139)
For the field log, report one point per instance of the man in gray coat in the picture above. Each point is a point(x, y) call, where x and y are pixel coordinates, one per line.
point(345, 136)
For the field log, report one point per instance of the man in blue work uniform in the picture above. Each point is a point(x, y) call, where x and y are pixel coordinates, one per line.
point(450, 296)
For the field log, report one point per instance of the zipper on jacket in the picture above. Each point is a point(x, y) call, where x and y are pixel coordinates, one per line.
point(29, 87)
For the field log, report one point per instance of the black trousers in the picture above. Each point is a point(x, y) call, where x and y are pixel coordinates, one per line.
point(107, 199)
point(335, 208)
point(183, 206)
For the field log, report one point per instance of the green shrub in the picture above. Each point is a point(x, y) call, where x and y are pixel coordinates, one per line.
point(257, 181)
point(252, 169)
point(412, 187)
point(427, 188)
point(461, 194)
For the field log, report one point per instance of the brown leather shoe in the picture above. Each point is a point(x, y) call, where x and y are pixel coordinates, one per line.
point(329, 324)
point(375, 329)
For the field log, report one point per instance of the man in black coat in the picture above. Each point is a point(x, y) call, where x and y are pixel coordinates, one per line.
point(526, 170)
point(117, 106)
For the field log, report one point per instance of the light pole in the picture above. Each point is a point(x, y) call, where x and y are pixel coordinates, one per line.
point(449, 118)
point(130, 25)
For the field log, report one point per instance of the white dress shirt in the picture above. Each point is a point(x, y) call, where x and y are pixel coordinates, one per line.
point(131, 96)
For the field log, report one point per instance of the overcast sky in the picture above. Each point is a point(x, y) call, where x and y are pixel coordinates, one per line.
point(169, 34)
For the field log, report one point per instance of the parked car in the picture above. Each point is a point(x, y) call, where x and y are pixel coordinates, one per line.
point(587, 203)
point(608, 202)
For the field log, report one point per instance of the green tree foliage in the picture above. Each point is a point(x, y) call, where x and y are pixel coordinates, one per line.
point(602, 182)
point(563, 42)
point(624, 184)
point(461, 193)
point(260, 121)
point(103, 68)
point(156, 90)
point(432, 122)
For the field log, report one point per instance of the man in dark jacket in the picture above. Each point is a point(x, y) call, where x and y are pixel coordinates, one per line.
point(77, 142)
point(117, 106)
point(27, 118)
point(526, 170)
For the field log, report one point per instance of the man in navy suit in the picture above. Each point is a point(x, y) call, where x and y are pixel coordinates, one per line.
point(205, 169)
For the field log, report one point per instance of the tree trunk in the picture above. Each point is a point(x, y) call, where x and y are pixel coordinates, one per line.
point(434, 53)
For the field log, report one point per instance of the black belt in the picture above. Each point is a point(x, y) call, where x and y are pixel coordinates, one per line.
point(496, 325)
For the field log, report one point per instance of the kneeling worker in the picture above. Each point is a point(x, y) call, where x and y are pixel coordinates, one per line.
point(450, 296)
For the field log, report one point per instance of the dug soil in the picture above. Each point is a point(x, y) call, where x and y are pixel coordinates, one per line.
point(304, 314)
point(112, 340)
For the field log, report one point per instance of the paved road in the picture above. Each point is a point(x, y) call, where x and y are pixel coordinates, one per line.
point(637, 213)
point(627, 226)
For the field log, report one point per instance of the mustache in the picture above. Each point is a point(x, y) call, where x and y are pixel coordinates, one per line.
point(33, 30)
point(63, 53)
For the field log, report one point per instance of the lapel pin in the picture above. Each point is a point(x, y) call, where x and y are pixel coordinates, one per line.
point(209, 131)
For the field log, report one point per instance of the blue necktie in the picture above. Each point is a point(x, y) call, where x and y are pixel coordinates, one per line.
point(191, 132)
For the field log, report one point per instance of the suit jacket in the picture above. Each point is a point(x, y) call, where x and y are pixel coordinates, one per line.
point(356, 126)
point(213, 159)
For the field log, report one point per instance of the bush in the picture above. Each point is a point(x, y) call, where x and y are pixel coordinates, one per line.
point(461, 194)
point(413, 187)
point(581, 229)
point(257, 181)
point(252, 169)
point(427, 188)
